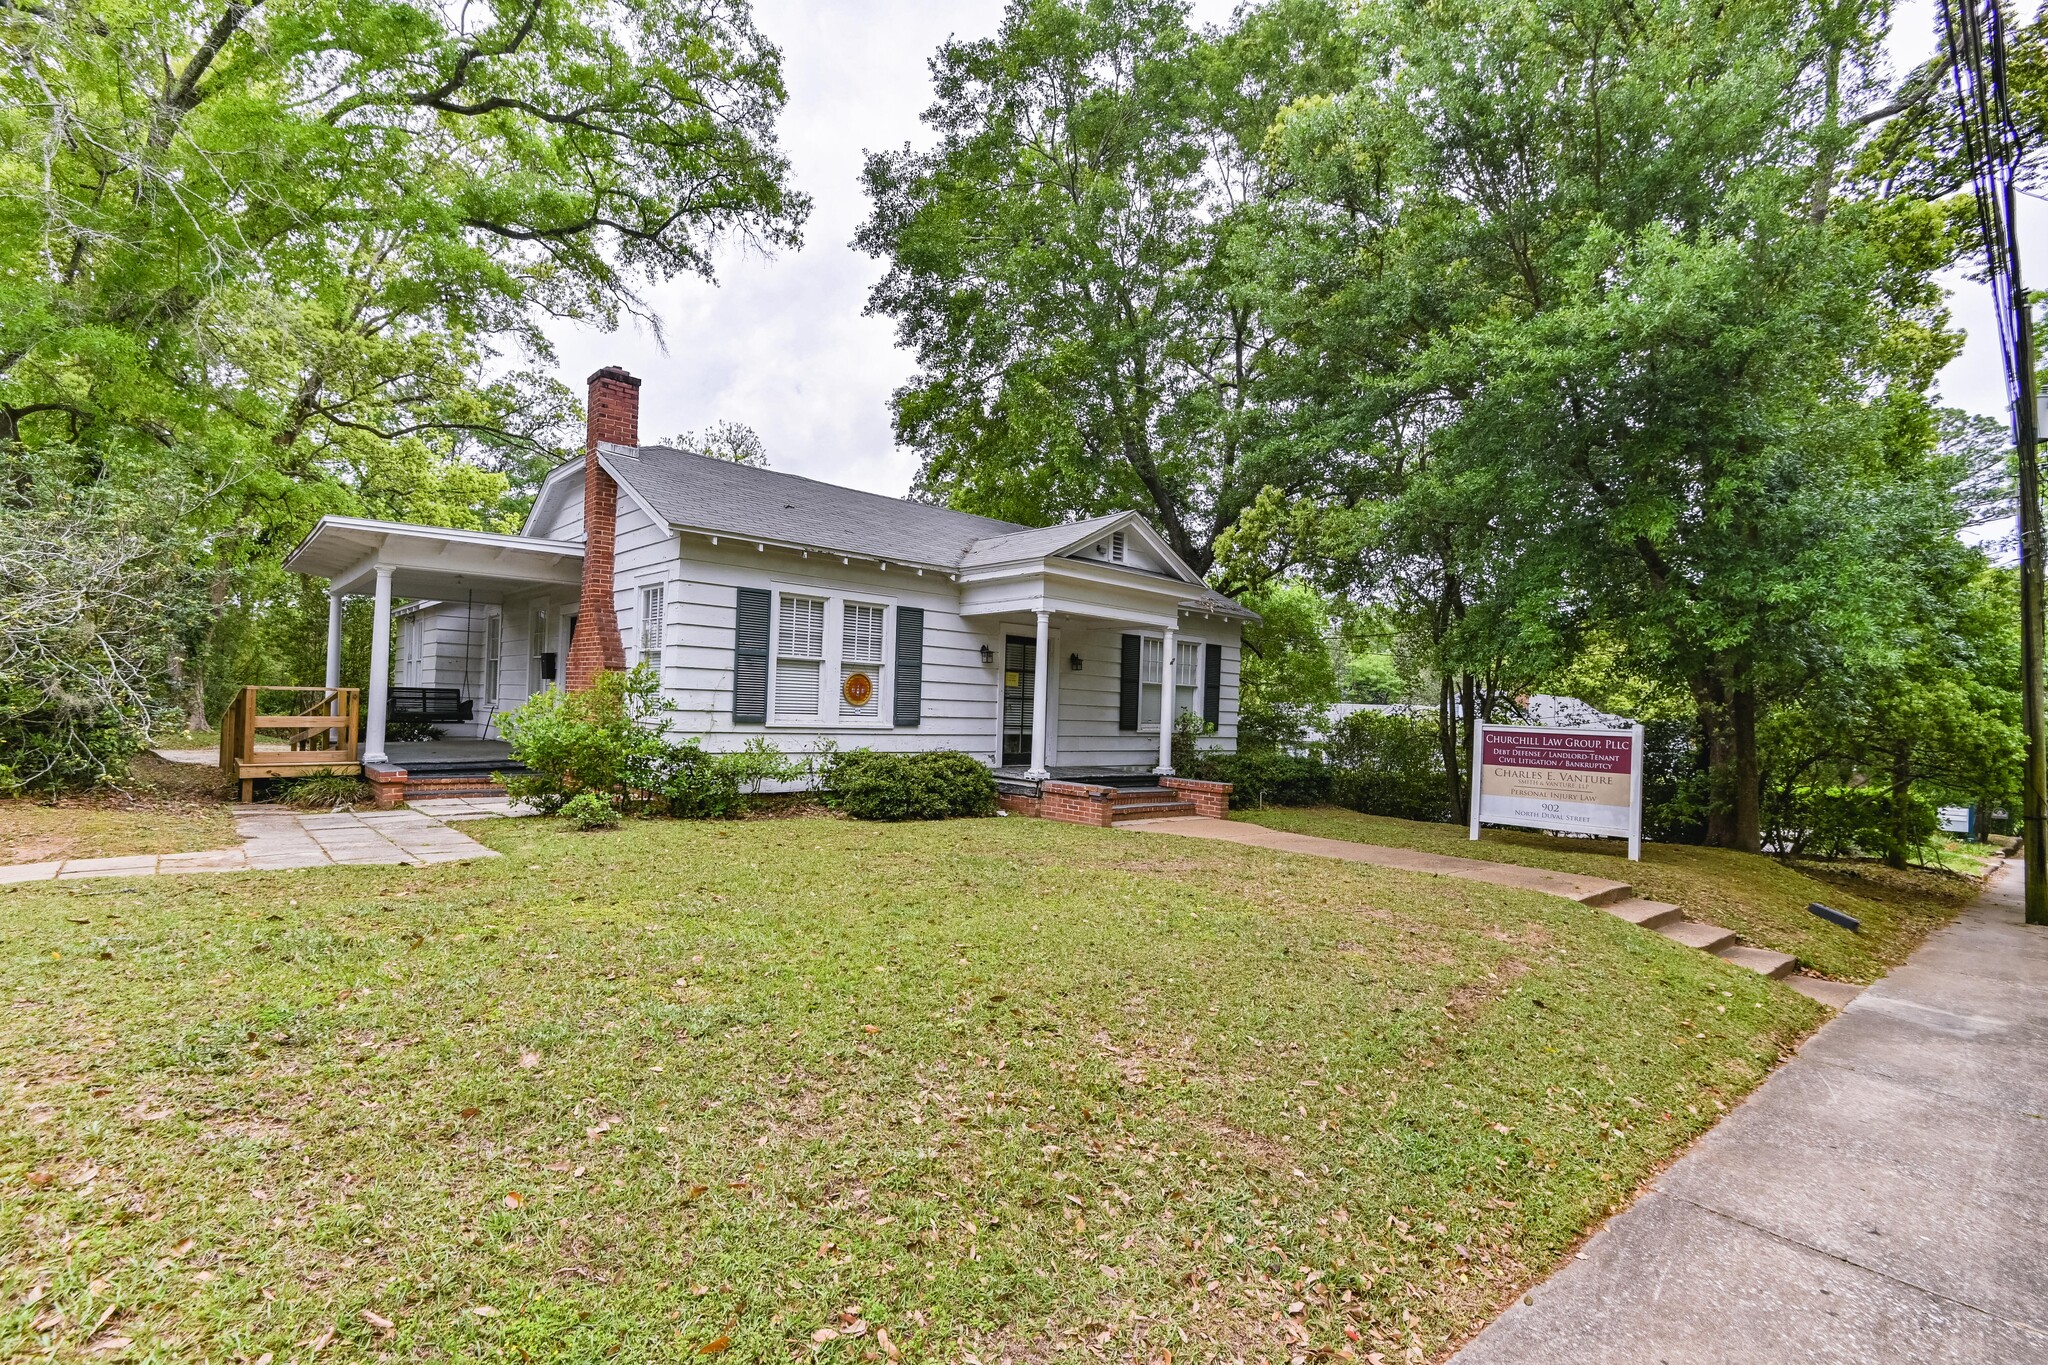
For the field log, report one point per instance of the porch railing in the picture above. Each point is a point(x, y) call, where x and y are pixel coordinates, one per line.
point(320, 732)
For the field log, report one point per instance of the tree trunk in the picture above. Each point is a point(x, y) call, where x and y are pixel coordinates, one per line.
point(1447, 741)
point(1469, 692)
point(1735, 773)
point(1749, 776)
point(1902, 788)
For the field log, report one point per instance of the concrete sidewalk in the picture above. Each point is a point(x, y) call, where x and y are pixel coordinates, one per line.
point(1883, 1197)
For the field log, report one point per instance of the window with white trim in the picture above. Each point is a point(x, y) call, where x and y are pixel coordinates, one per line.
point(799, 655)
point(1187, 676)
point(1151, 651)
point(653, 619)
point(860, 652)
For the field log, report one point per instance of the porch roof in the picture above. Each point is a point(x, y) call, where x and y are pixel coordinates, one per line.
point(431, 561)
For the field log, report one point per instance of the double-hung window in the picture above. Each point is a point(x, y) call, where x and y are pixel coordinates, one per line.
point(653, 618)
point(799, 655)
point(829, 661)
point(860, 661)
point(1151, 650)
point(1187, 676)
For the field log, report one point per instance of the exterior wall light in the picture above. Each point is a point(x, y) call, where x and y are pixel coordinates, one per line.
point(988, 656)
point(1074, 663)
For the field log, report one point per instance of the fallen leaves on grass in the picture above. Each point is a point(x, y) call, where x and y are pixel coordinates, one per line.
point(378, 1320)
point(515, 1200)
point(714, 1346)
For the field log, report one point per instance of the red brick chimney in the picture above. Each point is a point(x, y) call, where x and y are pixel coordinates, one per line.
point(612, 414)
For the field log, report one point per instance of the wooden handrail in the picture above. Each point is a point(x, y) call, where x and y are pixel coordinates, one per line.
point(332, 728)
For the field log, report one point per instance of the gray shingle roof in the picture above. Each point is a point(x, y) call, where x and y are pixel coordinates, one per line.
point(701, 493)
point(1031, 544)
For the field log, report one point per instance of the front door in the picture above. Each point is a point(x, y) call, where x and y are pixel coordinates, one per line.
point(1020, 682)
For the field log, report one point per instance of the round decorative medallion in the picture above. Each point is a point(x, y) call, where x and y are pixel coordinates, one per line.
point(859, 687)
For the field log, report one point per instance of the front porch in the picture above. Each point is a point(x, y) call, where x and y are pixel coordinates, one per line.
point(389, 561)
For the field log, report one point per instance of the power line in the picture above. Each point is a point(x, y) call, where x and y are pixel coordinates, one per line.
point(1974, 31)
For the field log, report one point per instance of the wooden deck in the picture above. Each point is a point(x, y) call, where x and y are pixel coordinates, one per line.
point(323, 732)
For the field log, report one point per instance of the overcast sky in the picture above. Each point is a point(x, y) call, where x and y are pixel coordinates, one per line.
point(781, 344)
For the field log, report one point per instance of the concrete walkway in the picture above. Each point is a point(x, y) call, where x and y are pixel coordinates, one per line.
point(1883, 1197)
point(275, 838)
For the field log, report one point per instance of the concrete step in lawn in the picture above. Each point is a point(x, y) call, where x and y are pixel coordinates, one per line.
point(1708, 938)
point(1645, 914)
point(1777, 966)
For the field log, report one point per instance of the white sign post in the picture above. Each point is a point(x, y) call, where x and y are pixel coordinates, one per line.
point(1578, 780)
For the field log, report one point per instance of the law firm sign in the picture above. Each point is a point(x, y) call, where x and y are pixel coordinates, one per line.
point(1573, 781)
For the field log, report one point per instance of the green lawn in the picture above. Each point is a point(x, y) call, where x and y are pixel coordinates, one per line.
point(1763, 899)
point(33, 833)
point(997, 1087)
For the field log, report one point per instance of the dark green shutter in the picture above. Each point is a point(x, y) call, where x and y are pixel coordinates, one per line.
point(750, 659)
point(1212, 685)
point(1127, 686)
point(909, 666)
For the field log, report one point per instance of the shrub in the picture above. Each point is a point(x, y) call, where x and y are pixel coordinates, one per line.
point(1188, 727)
point(324, 791)
point(590, 810)
point(1842, 821)
point(1267, 777)
point(694, 785)
point(609, 741)
point(928, 786)
point(94, 588)
point(1389, 763)
point(601, 740)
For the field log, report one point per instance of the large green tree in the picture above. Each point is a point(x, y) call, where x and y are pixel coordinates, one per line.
point(273, 258)
point(1060, 262)
point(1580, 285)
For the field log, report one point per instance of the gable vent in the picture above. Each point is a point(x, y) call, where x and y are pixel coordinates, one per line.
point(1116, 547)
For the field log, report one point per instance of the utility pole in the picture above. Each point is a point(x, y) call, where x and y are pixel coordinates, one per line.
point(1974, 31)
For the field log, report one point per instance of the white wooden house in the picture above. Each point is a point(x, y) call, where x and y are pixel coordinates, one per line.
point(779, 606)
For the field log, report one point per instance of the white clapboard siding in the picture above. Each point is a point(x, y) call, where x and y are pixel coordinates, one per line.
point(699, 583)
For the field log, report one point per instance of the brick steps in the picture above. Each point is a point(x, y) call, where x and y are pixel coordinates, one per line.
point(1165, 808)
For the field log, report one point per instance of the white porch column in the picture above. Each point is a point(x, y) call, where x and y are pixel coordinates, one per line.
point(380, 669)
point(1038, 771)
point(333, 639)
point(333, 678)
point(1169, 691)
